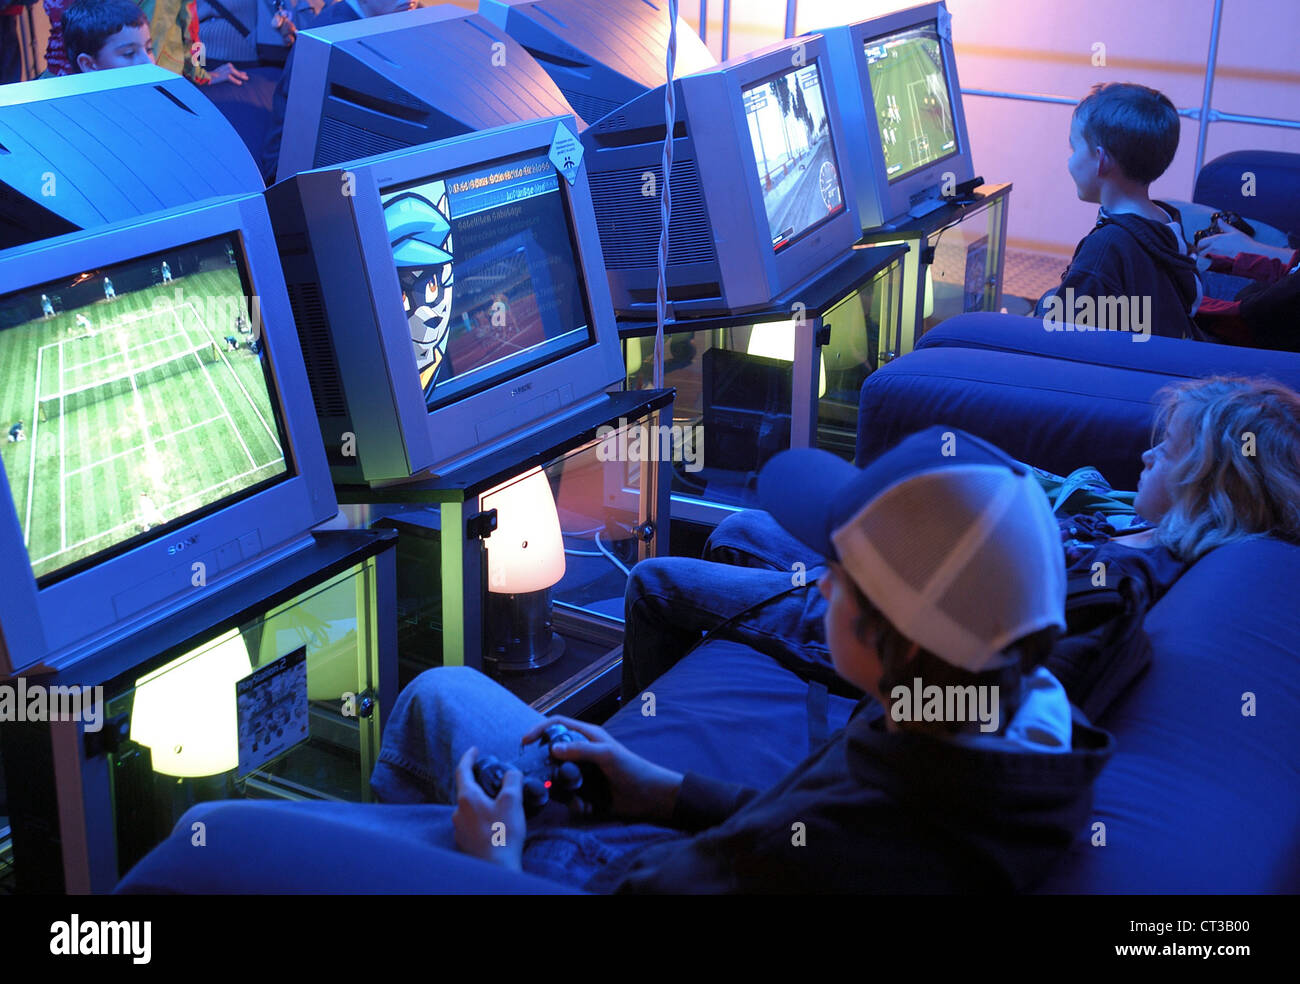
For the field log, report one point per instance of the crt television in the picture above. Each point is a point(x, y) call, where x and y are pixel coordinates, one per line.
point(366, 87)
point(158, 435)
point(601, 53)
point(896, 79)
point(68, 161)
point(452, 297)
point(760, 199)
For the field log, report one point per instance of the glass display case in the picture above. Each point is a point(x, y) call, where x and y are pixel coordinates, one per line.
point(279, 700)
point(751, 385)
point(954, 262)
point(517, 564)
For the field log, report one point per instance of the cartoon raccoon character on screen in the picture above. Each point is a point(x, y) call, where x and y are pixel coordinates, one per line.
point(420, 234)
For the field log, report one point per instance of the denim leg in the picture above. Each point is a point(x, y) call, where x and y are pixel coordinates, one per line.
point(440, 714)
point(672, 602)
point(754, 539)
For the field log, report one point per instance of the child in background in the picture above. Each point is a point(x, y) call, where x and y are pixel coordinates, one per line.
point(103, 34)
point(176, 21)
point(1122, 137)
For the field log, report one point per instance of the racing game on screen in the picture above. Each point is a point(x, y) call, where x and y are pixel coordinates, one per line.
point(133, 398)
point(490, 279)
point(797, 171)
point(910, 92)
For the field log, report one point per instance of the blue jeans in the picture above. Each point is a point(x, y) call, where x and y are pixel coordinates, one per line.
point(445, 711)
point(756, 585)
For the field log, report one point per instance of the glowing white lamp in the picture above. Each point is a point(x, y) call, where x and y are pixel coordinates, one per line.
point(525, 551)
point(927, 306)
point(525, 557)
point(185, 712)
point(776, 341)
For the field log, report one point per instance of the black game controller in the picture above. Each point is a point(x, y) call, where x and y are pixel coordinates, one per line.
point(1214, 229)
point(546, 777)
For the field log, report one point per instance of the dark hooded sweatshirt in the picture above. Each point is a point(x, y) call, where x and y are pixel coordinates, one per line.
point(882, 812)
point(1127, 255)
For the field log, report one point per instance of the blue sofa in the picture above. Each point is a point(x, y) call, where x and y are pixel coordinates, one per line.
point(1200, 797)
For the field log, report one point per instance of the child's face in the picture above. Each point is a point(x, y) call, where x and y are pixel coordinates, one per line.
point(855, 660)
point(129, 46)
point(1155, 491)
point(1083, 164)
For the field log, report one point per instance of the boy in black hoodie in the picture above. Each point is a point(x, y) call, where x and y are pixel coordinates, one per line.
point(968, 772)
point(1132, 272)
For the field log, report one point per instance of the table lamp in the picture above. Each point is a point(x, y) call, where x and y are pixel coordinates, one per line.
point(525, 557)
point(185, 712)
point(776, 341)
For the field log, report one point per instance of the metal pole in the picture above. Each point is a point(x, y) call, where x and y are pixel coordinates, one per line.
point(1026, 96)
point(1220, 116)
point(791, 11)
point(704, 21)
point(726, 29)
point(1203, 121)
point(1191, 112)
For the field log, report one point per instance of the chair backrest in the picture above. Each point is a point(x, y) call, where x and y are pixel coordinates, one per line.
point(1259, 184)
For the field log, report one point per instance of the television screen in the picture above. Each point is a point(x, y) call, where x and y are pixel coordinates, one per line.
point(910, 92)
point(133, 398)
point(490, 280)
point(797, 169)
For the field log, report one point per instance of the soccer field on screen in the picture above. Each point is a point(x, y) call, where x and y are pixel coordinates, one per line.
point(912, 107)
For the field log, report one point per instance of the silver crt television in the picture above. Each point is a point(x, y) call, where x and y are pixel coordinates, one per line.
point(761, 197)
point(601, 53)
point(158, 437)
point(83, 150)
point(400, 80)
point(896, 79)
point(448, 297)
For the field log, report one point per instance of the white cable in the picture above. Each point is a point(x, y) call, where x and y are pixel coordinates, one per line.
point(665, 199)
point(612, 559)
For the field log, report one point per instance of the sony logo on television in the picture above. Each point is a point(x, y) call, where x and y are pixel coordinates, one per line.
point(174, 548)
point(521, 389)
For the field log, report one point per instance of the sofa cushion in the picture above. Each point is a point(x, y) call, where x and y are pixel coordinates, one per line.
point(727, 712)
point(1164, 356)
point(1058, 415)
point(1201, 797)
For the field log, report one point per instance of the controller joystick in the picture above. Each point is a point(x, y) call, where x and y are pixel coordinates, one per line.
point(545, 777)
point(490, 773)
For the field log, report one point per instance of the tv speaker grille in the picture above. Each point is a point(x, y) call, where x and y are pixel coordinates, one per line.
point(338, 142)
point(589, 107)
point(317, 350)
point(628, 219)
